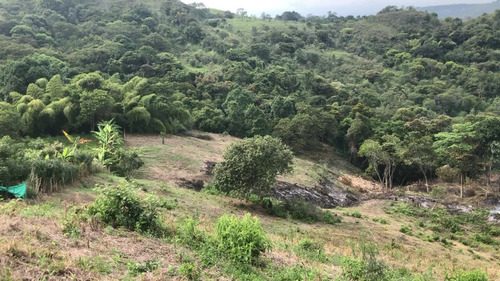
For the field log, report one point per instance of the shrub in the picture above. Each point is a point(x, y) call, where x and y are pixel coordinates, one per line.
point(475, 275)
point(447, 174)
point(308, 249)
point(240, 240)
point(406, 229)
point(190, 271)
point(297, 272)
point(299, 210)
point(48, 174)
point(251, 166)
point(124, 161)
point(136, 268)
point(360, 269)
point(189, 234)
point(120, 206)
point(438, 192)
point(71, 222)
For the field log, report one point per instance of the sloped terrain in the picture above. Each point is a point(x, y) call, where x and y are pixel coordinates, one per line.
point(35, 247)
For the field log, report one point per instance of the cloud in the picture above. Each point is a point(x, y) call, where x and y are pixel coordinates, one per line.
point(321, 7)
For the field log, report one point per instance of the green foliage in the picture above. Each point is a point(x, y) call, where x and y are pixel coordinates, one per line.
point(71, 222)
point(120, 207)
point(135, 269)
point(308, 249)
point(189, 234)
point(251, 166)
point(240, 240)
point(191, 271)
point(475, 275)
point(299, 210)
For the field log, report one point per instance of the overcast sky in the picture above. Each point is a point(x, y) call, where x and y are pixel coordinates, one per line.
point(321, 7)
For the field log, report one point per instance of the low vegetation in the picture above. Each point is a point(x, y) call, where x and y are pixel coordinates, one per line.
point(96, 94)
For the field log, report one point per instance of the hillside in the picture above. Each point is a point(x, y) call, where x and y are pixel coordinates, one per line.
point(463, 11)
point(136, 135)
point(37, 247)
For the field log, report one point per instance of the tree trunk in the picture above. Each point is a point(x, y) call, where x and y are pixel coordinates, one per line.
point(425, 177)
point(462, 185)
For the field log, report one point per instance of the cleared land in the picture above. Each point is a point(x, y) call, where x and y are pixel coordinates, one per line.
point(34, 247)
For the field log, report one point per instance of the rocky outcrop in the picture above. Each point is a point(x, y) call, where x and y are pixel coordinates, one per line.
point(325, 195)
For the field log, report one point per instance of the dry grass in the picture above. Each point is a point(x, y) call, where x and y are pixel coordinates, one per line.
point(31, 238)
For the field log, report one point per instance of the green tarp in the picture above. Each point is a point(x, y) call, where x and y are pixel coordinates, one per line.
point(17, 190)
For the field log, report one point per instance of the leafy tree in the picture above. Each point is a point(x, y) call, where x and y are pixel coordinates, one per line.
point(387, 155)
point(10, 121)
point(95, 106)
point(417, 150)
point(250, 166)
point(457, 149)
point(55, 87)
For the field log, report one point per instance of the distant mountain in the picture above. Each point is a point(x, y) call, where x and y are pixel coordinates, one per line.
point(462, 10)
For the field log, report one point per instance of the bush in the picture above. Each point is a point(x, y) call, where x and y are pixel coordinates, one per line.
point(438, 192)
point(240, 240)
point(190, 271)
point(189, 234)
point(250, 166)
point(297, 272)
point(137, 268)
point(48, 174)
point(299, 210)
point(124, 161)
point(447, 174)
point(120, 206)
point(475, 275)
point(406, 229)
point(71, 222)
point(306, 248)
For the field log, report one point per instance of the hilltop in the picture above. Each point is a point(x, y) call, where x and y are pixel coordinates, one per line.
point(463, 11)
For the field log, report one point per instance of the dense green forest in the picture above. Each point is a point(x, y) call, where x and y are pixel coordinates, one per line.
point(401, 94)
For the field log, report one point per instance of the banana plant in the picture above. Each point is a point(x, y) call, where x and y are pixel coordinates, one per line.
point(109, 137)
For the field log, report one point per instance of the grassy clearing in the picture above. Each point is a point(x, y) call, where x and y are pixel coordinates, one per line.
point(39, 239)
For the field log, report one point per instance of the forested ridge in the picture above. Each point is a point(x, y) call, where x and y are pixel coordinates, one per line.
point(401, 93)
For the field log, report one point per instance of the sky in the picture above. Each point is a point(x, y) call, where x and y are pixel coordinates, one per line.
point(321, 7)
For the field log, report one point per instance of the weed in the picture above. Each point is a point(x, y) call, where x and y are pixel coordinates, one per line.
point(189, 234)
point(96, 263)
point(240, 240)
point(297, 272)
point(306, 248)
point(120, 206)
point(190, 271)
point(475, 275)
point(484, 238)
point(135, 269)
point(71, 222)
point(406, 229)
point(299, 210)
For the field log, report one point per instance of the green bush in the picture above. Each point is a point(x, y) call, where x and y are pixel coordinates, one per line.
point(71, 222)
point(190, 271)
point(307, 248)
point(475, 275)
point(297, 272)
point(240, 240)
point(124, 161)
point(438, 192)
point(406, 229)
point(47, 175)
point(135, 269)
point(299, 210)
point(189, 234)
point(120, 206)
